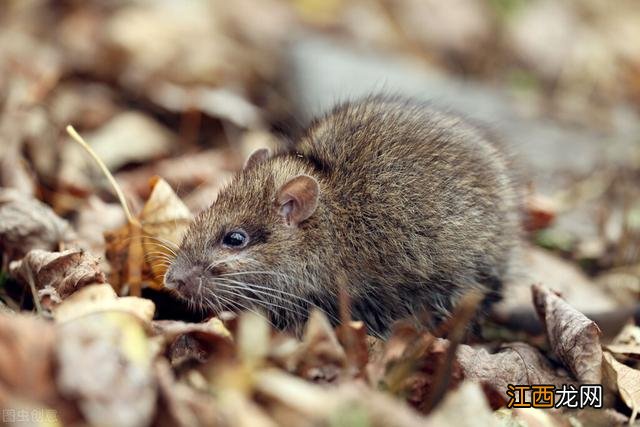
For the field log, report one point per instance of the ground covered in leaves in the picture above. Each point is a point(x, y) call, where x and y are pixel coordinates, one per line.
point(173, 96)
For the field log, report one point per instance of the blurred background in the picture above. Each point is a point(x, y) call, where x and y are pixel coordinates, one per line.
point(187, 89)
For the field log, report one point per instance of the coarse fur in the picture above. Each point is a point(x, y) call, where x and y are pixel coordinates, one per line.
point(415, 208)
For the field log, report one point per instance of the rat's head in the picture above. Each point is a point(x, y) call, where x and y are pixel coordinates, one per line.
point(253, 248)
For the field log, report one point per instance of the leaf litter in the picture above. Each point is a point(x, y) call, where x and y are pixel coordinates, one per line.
point(98, 353)
point(253, 374)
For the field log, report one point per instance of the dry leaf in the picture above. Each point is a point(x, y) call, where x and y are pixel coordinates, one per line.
point(209, 167)
point(15, 173)
point(599, 417)
point(417, 373)
point(199, 342)
point(319, 357)
point(535, 417)
point(181, 405)
point(65, 271)
point(239, 411)
point(87, 104)
point(627, 342)
point(416, 366)
point(628, 382)
point(128, 137)
point(573, 337)
point(94, 218)
point(101, 298)
point(467, 405)
point(197, 41)
point(253, 338)
point(305, 397)
point(141, 253)
point(171, 329)
point(216, 102)
point(353, 338)
point(26, 360)
point(164, 220)
point(390, 350)
point(516, 363)
point(49, 298)
point(351, 403)
point(27, 224)
point(105, 364)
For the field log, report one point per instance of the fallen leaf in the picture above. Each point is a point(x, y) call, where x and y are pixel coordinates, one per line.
point(415, 374)
point(49, 298)
point(468, 405)
point(516, 363)
point(164, 219)
point(181, 405)
point(319, 357)
point(189, 171)
point(415, 365)
point(15, 173)
point(101, 298)
point(27, 365)
point(391, 350)
point(533, 417)
point(88, 104)
point(198, 342)
point(461, 29)
point(628, 382)
point(238, 410)
point(253, 338)
point(624, 286)
point(171, 329)
point(380, 409)
point(353, 338)
point(128, 137)
point(26, 224)
point(65, 271)
point(141, 252)
point(93, 219)
point(198, 41)
point(573, 337)
point(599, 417)
point(303, 396)
point(216, 102)
point(104, 362)
point(627, 342)
point(315, 403)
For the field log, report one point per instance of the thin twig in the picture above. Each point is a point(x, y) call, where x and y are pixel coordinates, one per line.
point(76, 136)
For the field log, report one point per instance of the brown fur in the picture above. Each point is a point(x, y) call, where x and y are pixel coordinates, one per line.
point(415, 208)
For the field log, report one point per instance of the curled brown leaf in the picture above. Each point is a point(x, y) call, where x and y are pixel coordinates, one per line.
point(573, 337)
point(65, 272)
point(26, 224)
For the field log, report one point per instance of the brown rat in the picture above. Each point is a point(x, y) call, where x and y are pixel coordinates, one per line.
point(405, 206)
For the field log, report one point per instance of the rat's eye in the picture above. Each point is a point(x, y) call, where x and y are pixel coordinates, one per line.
point(235, 239)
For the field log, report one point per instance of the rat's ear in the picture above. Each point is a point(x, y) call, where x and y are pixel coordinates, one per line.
point(297, 199)
point(258, 156)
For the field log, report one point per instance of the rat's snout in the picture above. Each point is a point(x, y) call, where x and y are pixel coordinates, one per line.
point(185, 281)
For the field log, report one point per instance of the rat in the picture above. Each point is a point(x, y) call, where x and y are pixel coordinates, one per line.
point(403, 206)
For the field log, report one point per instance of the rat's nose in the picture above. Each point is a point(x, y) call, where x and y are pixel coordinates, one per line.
point(183, 279)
